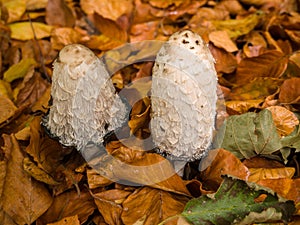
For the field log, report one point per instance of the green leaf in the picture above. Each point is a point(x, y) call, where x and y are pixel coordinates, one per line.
point(236, 202)
point(292, 140)
point(249, 134)
point(19, 70)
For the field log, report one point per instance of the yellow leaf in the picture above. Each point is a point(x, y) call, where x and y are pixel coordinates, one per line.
point(19, 70)
point(7, 109)
point(15, 8)
point(23, 30)
point(237, 28)
point(5, 89)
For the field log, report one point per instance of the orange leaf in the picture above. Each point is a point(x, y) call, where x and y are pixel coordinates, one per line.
point(284, 120)
point(250, 68)
point(150, 206)
point(220, 162)
point(257, 174)
point(72, 220)
point(290, 91)
point(17, 199)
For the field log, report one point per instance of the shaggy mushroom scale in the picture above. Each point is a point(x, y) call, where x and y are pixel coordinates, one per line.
point(85, 106)
point(183, 97)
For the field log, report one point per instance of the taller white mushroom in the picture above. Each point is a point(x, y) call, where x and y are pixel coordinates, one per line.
point(84, 104)
point(183, 97)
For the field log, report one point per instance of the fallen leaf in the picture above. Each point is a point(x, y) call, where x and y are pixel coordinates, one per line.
point(112, 200)
point(27, 202)
point(221, 39)
point(285, 121)
point(220, 162)
point(32, 5)
point(239, 27)
point(257, 174)
point(95, 180)
point(243, 106)
point(255, 44)
point(72, 220)
point(225, 61)
point(24, 30)
point(58, 13)
point(289, 91)
point(292, 140)
point(235, 202)
point(107, 8)
point(7, 109)
point(62, 36)
point(258, 88)
point(138, 121)
point(19, 70)
point(38, 174)
point(249, 134)
point(69, 204)
point(15, 8)
point(250, 68)
point(150, 206)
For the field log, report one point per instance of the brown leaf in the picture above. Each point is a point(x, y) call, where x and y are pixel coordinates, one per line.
point(225, 61)
point(7, 109)
point(284, 120)
point(150, 206)
point(27, 202)
point(72, 220)
point(285, 187)
point(258, 88)
point(69, 204)
point(221, 39)
point(260, 162)
point(139, 121)
point(95, 180)
point(290, 91)
point(220, 162)
point(107, 8)
point(62, 36)
point(58, 13)
point(112, 200)
point(250, 68)
point(137, 166)
point(37, 173)
point(31, 89)
point(255, 44)
point(243, 106)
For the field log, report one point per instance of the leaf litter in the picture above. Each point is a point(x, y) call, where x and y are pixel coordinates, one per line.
point(256, 48)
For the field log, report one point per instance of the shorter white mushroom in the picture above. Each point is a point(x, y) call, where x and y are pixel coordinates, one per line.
point(184, 95)
point(85, 106)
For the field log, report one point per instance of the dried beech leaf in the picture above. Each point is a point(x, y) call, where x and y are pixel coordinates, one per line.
point(58, 13)
point(107, 8)
point(225, 61)
point(139, 121)
point(38, 174)
point(290, 91)
point(220, 162)
point(250, 68)
point(15, 8)
point(257, 174)
point(69, 204)
point(257, 88)
point(23, 30)
point(95, 180)
point(151, 206)
point(7, 109)
point(72, 220)
point(112, 200)
point(62, 36)
point(285, 121)
point(243, 106)
point(221, 39)
point(27, 202)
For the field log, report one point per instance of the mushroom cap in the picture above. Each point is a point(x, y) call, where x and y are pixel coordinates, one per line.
point(184, 95)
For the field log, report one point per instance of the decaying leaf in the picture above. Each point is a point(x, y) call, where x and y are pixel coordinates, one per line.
point(150, 206)
point(235, 201)
point(249, 134)
point(27, 202)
